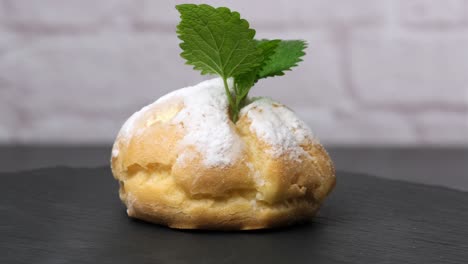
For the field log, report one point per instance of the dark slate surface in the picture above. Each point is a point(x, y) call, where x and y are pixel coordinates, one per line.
point(63, 215)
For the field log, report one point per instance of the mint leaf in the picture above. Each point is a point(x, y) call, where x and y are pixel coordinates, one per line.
point(278, 56)
point(268, 48)
point(287, 55)
point(217, 41)
point(244, 82)
point(247, 80)
point(242, 85)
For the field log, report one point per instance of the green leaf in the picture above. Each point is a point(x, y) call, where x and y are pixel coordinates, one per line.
point(247, 80)
point(217, 41)
point(268, 48)
point(244, 82)
point(287, 55)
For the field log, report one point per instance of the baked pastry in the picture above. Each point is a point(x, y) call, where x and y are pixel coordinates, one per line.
point(207, 156)
point(182, 162)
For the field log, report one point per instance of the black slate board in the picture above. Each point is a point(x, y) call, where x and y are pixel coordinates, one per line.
point(63, 215)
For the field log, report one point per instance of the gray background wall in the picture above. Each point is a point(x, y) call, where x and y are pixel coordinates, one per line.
point(377, 71)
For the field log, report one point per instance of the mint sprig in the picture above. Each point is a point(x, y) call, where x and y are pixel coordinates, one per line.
point(218, 41)
point(287, 55)
point(243, 83)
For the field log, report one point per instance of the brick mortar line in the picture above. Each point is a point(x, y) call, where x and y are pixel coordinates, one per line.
point(33, 29)
point(136, 25)
point(418, 108)
point(64, 30)
point(268, 26)
point(423, 28)
point(341, 35)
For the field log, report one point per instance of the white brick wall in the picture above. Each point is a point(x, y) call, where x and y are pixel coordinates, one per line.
point(65, 15)
point(377, 72)
point(155, 13)
point(9, 116)
point(432, 12)
point(354, 125)
point(100, 70)
point(437, 127)
point(7, 40)
point(319, 76)
point(279, 12)
point(410, 68)
point(336, 11)
point(103, 78)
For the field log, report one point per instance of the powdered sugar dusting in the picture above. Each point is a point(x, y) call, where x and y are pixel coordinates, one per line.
point(205, 117)
point(278, 126)
point(209, 131)
point(115, 152)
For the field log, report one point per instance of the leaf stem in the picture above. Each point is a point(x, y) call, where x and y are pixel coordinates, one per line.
point(232, 103)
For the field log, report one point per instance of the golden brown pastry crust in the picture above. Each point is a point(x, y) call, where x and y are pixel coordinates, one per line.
point(258, 190)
